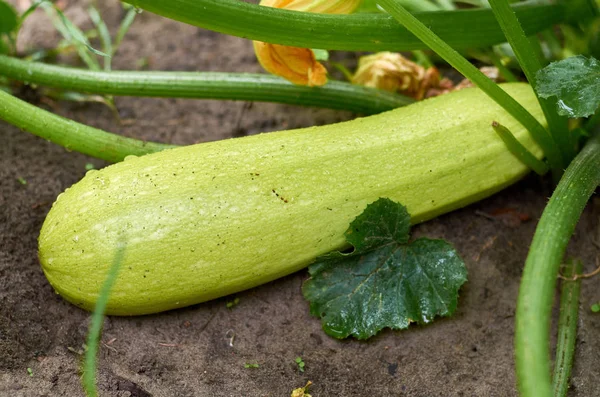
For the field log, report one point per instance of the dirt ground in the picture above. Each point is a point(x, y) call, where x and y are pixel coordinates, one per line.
point(201, 350)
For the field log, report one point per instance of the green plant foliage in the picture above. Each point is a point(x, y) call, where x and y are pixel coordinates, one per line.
point(9, 20)
point(385, 281)
point(300, 364)
point(575, 81)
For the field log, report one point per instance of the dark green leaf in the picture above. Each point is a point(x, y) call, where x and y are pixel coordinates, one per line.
point(575, 81)
point(385, 282)
point(8, 18)
point(381, 223)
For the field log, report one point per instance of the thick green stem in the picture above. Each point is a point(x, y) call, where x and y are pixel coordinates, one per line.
point(461, 64)
point(541, 269)
point(567, 328)
point(474, 28)
point(530, 64)
point(70, 134)
point(239, 86)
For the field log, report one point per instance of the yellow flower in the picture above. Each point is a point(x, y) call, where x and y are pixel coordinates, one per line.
point(392, 72)
point(302, 391)
point(295, 64)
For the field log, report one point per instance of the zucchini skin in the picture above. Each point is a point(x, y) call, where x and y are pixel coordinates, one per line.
point(208, 220)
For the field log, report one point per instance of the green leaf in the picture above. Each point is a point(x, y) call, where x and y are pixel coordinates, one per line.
point(9, 20)
point(575, 81)
point(385, 281)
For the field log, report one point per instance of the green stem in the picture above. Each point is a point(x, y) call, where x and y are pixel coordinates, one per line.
point(518, 150)
point(553, 232)
point(461, 64)
point(93, 337)
point(247, 87)
point(475, 28)
point(524, 51)
point(70, 134)
point(567, 329)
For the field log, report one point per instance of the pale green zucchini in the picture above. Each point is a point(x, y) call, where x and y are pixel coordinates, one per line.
point(207, 220)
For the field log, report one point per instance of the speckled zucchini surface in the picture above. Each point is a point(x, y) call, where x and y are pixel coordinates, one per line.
point(207, 220)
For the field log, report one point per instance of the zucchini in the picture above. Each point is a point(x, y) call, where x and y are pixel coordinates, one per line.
point(211, 219)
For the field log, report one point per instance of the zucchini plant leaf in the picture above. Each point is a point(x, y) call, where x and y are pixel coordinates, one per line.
point(9, 19)
point(575, 81)
point(386, 281)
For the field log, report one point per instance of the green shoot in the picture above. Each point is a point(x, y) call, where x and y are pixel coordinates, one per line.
point(104, 34)
point(232, 303)
point(93, 338)
point(300, 364)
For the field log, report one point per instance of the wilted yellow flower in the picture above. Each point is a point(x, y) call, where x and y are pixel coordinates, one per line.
point(295, 64)
point(302, 391)
point(392, 72)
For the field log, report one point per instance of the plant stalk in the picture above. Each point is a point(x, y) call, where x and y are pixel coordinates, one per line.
point(207, 85)
point(475, 28)
point(552, 234)
point(70, 134)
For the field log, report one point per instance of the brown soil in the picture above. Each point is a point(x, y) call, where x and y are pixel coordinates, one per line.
point(201, 350)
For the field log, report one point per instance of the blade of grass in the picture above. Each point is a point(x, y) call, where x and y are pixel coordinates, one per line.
point(461, 64)
point(567, 328)
point(546, 252)
point(70, 134)
point(72, 34)
point(530, 64)
point(124, 28)
point(249, 87)
point(104, 35)
point(520, 151)
point(475, 28)
point(93, 337)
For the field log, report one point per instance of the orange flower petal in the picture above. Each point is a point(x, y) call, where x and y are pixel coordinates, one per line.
point(294, 64)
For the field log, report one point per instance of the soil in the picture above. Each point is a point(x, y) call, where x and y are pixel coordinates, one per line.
point(202, 350)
